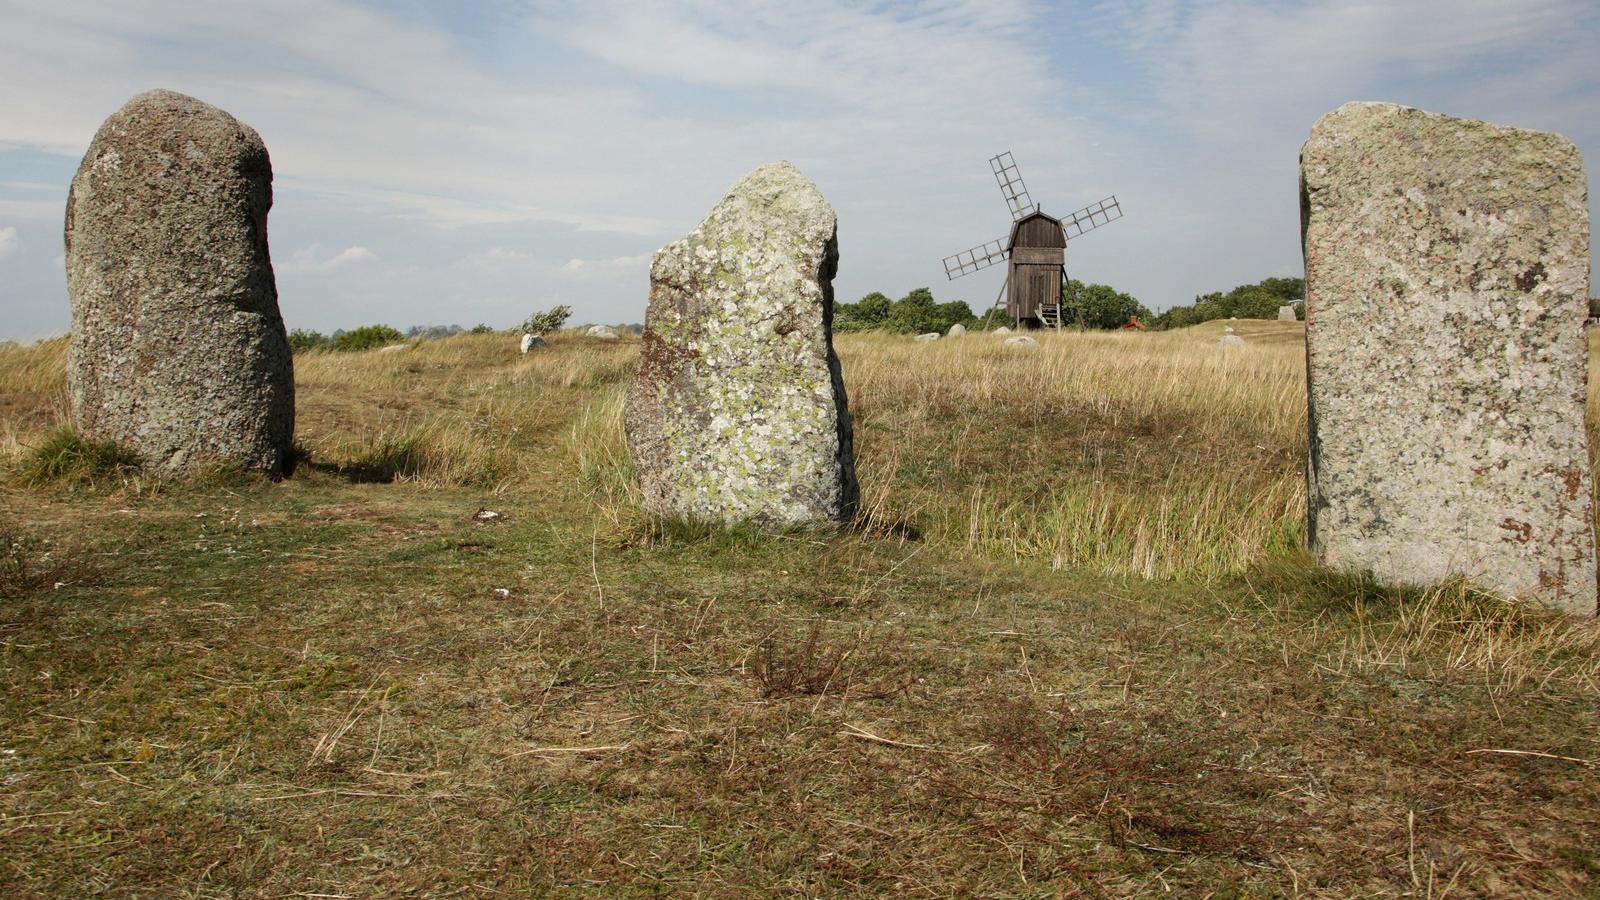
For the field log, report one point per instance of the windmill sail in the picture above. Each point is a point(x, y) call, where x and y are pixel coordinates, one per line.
point(968, 261)
point(1009, 178)
point(1091, 217)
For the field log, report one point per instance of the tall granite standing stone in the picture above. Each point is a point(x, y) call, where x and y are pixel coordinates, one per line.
point(738, 412)
point(1447, 268)
point(178, 352)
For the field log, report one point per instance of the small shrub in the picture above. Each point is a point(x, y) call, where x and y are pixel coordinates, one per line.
point(865, 667)
point(66, 457)
point(547, 322)
point(367, 337)
point(302, 340)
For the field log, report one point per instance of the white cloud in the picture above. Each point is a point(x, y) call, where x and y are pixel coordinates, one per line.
point(310, 260)
point(8, 240)
point(637, 263)
point(349, 255)
point(543, 154)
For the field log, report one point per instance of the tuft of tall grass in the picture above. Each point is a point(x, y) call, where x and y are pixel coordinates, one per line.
point(1461, 628)
point(65, 458)
point(437, 454)
point(1147, 455)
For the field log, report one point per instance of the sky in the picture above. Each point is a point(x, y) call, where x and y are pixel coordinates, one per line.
point(465, 162)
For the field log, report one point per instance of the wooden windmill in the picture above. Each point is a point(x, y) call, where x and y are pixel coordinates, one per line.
point(1036, 249)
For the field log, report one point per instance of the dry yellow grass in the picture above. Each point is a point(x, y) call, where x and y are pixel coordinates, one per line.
point(1027, 671)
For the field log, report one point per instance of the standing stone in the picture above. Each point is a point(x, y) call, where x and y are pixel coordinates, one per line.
point(956, 330)
point(1447, 267)
point(1286, 314)
point(178, 352)
point(738, 412)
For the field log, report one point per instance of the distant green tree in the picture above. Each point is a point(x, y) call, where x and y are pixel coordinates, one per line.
point(1099, 305)
point(547, 322)
point(367, 337)
point(302, 340)
point(481, 328)
point(1247, 301)
point(865, 314)
point(916, 313)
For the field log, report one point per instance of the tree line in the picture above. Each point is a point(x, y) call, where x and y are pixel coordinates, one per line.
point(1094, 306)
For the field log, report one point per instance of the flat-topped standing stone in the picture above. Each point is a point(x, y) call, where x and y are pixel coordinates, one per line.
point(178, 351)
point(1447, 267)
point(1286, 314)
point(738, 412)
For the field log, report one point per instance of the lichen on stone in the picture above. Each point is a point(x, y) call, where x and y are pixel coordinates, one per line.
point(1446, 290)
point(738, 412)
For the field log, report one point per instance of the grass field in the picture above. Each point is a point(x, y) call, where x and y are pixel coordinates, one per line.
point(1071, 647)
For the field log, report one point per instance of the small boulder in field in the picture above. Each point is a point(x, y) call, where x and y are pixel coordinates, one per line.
point(1002, 330)
point(530, 341)
point(956, 330)
point(178, 352)
point(928, 338)
point(396, 348)
point(1021, 340)
point(738, 410)
point(602, 332)
point(1231, 341)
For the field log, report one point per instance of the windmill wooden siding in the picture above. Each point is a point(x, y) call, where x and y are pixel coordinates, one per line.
point(1038, 253)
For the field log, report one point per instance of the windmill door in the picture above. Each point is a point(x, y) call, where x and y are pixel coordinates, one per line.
point(1035, 282)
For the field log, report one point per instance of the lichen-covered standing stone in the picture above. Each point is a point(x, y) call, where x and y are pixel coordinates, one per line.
point(738, 412)
point(1447, 267)
point(178, 351)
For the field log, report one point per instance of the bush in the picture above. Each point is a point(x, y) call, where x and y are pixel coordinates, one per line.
point(547, 322)
point(367, 337)
point(1247, 301)
point(301, 340)
point(1099, 305)
point(865, 314)
point(66, 457)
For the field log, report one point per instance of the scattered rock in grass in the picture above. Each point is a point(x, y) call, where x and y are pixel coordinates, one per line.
point(1230, 341)
point(487, 515)
point(178, 352)
point(530, 341)
point(738, 411)
point(928, 338)
point(1021, 340)
point(1002, 330)
point(602, 332)
point(395, 348)
point(1446, 352)
point(956, 330)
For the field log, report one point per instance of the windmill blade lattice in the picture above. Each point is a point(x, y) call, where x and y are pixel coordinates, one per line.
point(1091, 217)
point(981, 257)
point(1009, 177)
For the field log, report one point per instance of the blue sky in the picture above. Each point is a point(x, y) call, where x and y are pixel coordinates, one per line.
point(446, 163)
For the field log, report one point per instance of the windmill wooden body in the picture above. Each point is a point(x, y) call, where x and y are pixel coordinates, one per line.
point(1035, 251)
